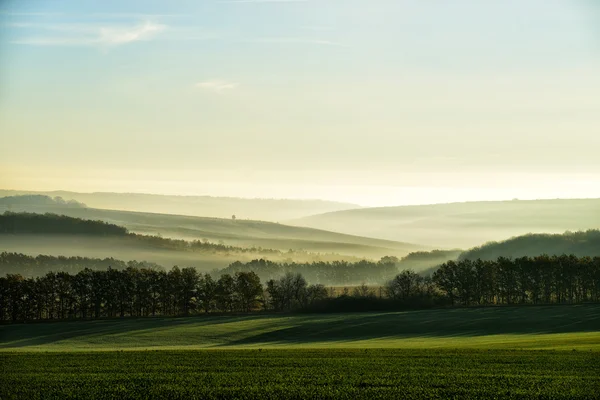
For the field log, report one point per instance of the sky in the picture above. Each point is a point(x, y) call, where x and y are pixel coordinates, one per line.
point(371, 102)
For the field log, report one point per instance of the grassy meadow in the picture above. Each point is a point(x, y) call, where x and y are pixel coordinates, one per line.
point(301, 374)
point(545, 352)
point(543, 327)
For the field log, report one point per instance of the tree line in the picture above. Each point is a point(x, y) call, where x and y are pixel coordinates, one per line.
point(542, 279)
point(141, 291)
point(38, 200)
point(328, 273)
point(144, 292)
point(30, 266)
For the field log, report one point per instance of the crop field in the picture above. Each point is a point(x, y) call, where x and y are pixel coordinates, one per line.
point(543, 327)
point(479, 353)
point(256, 374)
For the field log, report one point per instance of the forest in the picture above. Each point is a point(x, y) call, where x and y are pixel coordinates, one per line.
point(141, 291)
point(328, 273)
point(21, 223)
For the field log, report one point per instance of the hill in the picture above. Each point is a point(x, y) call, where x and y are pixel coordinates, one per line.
point(59, 235)
point(202, 206)
point(20, 223)
point(578, 243)
point(241, 233)
point(461, 225)
point(535, 327)
point(8, 202)
point(55, 235)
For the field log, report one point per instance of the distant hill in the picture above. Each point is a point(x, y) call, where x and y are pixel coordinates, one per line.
point(421, 261)
point(203, 206)
point(9, 202)
point(58, 235)
point(241, 233)
point(461, 225)
point(22, 223)
point(578, 243)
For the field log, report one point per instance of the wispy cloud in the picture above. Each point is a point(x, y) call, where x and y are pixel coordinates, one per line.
point(217, 85)
point(295, 40)
point(262, 1)
point(90, 35)
point(144, 31)
point(30, 14)
point(317, 28)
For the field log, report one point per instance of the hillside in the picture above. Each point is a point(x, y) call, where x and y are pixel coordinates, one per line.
point(9, 202)
point(461, 225)
point(203, 206)
point(534, 327)
point(244, 233)
point(578, 243)
point(59, 235)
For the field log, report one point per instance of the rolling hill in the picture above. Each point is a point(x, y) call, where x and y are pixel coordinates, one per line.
point(461, 225)
point(203, 206)
point(581, 244)
point(241, 233)
point(535, 327)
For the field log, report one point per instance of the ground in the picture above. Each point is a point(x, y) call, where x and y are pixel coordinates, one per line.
point(325, 373)
point(528, 327)
point(477, 353)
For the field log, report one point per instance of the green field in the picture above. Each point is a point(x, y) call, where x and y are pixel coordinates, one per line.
point(302, 374)
point(543, 327)
point(549, 352)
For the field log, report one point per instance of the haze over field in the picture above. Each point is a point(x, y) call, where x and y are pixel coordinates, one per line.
point(203, 206)
point(462, 224)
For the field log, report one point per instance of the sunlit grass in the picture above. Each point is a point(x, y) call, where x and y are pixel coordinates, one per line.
point(557, 327)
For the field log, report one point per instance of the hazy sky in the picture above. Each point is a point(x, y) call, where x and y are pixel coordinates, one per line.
point(374, 102)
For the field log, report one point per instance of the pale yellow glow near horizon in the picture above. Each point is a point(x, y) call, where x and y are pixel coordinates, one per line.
point(420, 188)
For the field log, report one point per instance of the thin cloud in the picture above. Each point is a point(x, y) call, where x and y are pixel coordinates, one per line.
point(317, 28)
point(261, 1)
point(115, 36)
point(31, 14)
point(133, 15)
point(294, 40)
point(217, 85)
point(90, 35)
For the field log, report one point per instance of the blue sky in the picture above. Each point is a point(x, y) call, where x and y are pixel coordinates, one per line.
point(376, 102)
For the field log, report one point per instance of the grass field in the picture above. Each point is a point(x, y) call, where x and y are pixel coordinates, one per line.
point(544, 327)
point(301, 374)
point(508, 352)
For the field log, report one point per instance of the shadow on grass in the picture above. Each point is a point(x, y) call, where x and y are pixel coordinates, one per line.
point(312, 328)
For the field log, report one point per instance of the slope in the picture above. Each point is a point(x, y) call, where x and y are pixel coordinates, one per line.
point(461, 224)
point(243, 233)
point(535, 327)
point(207, 206)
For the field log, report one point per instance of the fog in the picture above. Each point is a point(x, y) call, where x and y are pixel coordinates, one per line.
point(462, 225)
